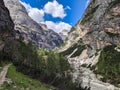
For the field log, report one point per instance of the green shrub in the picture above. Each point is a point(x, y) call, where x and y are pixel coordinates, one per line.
point(34, 61)
point(109, 65)
point(20, 81)
point(79, 50)
point(47, 66)
point(69, 50)
point(79, 46)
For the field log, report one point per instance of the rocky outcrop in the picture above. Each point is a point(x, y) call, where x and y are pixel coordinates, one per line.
point(98, 28)
point(30, 31)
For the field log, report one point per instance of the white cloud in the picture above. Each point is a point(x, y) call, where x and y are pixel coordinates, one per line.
point(58, 27)
point(68, 7)
point(35, 13)
point(55, 9)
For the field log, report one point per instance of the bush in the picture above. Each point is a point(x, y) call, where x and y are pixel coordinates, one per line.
point(47, 66)
point(109, 65)
point(79, 46)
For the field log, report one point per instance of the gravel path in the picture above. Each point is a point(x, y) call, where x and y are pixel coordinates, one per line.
point(3, 74)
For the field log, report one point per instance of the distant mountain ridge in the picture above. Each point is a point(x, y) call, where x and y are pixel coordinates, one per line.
point(29, 30)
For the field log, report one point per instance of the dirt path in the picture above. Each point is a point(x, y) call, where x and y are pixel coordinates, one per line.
point(3, 74)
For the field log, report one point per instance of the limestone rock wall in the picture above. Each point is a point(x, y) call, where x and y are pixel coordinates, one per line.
point(6, 26)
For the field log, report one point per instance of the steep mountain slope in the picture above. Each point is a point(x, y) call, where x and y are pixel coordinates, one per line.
point(100, 24)
point(94, 43)
point(29, 30)
point(6, 28)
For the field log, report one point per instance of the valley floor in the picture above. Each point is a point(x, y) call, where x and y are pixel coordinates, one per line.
point(17, 81)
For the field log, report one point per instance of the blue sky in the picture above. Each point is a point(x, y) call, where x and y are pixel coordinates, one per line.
point(56, 14)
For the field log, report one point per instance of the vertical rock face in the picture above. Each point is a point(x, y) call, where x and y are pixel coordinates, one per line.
point(100, 25)
point(6, 26)
point(29, 30)
point(102, 17)
point(98, 29)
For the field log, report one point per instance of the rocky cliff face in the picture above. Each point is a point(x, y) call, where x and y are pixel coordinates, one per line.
point(28, 30)
point(6, 27)
point(102, 23)
point(94, 43)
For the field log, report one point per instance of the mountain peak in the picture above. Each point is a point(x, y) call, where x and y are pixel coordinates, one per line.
point(29, 30)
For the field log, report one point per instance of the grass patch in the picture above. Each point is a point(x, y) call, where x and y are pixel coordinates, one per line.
point(22, 82)
point(47, 66)
point(79, 50)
